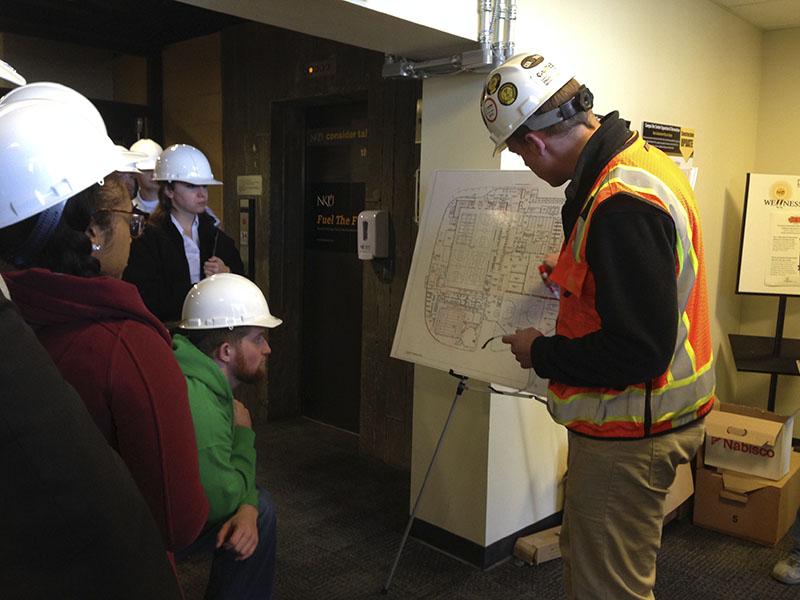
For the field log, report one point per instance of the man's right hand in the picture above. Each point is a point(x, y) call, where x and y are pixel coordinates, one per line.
point(215, 265)
point(239, 534)
point(241, 416)
point(521, 342)
point(548, 264)
point(546, 269)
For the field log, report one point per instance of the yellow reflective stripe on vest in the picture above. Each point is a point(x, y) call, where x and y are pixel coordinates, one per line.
point(695, 392)
point(669, 403)
point(598, 408)
point(683, 362)
point(641, 183)
point(686, 386)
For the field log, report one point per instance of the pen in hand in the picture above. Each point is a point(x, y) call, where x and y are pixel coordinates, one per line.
point(544, 271)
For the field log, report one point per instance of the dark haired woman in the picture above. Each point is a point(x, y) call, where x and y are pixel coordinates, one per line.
point(76, 524)
point(182, 243)
point(114, 352)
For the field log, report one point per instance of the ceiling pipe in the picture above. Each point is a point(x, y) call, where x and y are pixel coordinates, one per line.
point(486, 19)
point(510, 27)
point(501, 18)
point(491, 53)
point(496, 28)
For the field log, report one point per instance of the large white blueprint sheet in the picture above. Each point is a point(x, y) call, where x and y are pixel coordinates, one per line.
point(475, 274)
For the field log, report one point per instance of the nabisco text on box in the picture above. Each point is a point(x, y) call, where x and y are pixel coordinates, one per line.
point(748, 440)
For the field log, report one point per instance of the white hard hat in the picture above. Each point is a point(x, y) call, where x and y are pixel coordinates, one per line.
point(129, 160)
point(152, 151)
point(47, 90)
point(226, 300)
point(517, 89)
point(49, 152)
point(181, 162)
point(9, 74)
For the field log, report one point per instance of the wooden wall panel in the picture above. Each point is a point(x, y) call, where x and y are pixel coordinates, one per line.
point(265, 93)
point(192, 106)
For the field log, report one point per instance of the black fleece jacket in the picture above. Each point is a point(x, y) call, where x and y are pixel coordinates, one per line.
point(631, 253)
point(75, 525)
point(158, 267)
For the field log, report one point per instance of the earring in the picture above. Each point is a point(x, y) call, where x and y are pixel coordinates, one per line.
point(96, 247)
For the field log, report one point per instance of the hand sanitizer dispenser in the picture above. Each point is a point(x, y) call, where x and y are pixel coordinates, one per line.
point(373, 234)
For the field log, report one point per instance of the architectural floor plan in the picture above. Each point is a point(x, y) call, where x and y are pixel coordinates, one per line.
point(475, 274)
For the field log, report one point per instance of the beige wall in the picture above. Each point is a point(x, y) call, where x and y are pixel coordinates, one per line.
point(776, 152)
point(526, 466)
point(456, 496)
point(193, 102)
point(684, 62)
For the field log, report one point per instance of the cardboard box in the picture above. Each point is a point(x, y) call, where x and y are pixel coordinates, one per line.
point(748, 440)
point(539, 547)
point(752, 508)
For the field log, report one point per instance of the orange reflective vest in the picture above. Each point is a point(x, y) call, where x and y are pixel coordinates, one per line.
point(685, 391)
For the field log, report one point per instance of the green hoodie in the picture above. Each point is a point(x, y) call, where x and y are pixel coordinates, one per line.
point(226, 452)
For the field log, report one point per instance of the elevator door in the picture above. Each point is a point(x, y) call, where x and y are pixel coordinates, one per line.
point(335, 174)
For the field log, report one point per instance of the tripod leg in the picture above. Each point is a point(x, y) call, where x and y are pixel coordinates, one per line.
point(459, 390)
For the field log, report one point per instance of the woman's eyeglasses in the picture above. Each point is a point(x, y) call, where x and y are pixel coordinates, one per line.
point(137, 222)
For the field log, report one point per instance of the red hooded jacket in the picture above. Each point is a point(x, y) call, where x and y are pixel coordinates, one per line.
point(118, 357)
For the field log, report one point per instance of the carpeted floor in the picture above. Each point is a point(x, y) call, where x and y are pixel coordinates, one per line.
point(341, 519)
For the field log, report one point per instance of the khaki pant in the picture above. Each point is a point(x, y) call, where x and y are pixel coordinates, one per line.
point(613, 511)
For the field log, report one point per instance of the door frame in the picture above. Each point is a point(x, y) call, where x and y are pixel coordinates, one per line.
point(286, 240)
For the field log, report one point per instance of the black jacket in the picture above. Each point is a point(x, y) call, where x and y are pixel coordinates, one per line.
point(631, 252)
point(158, 265)
point(74, 524)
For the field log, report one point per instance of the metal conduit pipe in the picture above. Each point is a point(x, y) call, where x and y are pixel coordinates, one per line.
point(510, 27)
point(496, 46)
point(499, 45)
point(486, 12)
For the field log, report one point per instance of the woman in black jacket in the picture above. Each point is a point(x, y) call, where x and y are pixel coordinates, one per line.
point(181, 243)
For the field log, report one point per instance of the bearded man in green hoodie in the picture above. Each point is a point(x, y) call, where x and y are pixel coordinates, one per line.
point(225, 320)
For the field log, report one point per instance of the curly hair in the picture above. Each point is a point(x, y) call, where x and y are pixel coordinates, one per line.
point(69, 250)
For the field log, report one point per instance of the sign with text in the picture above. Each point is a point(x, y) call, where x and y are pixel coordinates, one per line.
point(336, 136)
point(671, 139)
point(249, 185)
point(332, 215)
point(769, 259)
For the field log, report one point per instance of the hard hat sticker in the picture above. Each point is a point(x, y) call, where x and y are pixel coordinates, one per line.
point(547, 73)
point(491, 87)
point(507, 94)
point(531, 61)
point(490, 110)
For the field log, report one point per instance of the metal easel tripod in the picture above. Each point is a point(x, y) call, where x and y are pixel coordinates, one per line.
point(462, 384)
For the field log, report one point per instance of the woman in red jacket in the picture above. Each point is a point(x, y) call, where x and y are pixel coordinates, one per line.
point(114, 352)
point(75, 524)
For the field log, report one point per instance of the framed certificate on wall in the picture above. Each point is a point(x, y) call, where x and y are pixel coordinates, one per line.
point(769, 255)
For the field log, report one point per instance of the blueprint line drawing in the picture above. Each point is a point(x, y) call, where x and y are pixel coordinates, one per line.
point(475, 274)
